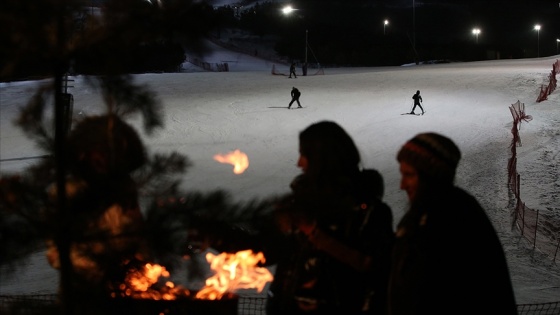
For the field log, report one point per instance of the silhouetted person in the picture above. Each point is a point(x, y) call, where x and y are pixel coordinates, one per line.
point(417, 100)
point(338, 234)
point(293, 70)
point(447, 257)
point(330, 238)
point(295, 97)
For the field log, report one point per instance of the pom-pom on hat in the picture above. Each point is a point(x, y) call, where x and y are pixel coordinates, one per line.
point(432, 155)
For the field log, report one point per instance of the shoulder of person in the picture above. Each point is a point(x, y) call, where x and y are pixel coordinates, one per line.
point(371, 192)
point(382, 209)
point(373, 181)
point(466, 208)
point(463, 196)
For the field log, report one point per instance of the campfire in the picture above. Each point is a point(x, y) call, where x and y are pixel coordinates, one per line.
point(143, 284)
point(238, 159)
point(144, 291)
point(232, 272)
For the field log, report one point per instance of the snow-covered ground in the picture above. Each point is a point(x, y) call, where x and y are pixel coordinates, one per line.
point(246, 108)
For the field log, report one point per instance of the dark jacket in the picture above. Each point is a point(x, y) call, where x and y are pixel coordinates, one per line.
point(329, 271)
point(343, 268)
point(448, 259)
point(295, 93)
point(417, 98)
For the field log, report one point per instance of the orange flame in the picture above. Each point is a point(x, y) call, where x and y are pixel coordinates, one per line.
point(234, 272)
point(238, 159)
point(143, 281)
point(141, 284)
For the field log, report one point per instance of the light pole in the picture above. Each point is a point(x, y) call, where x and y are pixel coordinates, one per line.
point(413, 27)
point(385, 24)
point(557, 41)
point(538, 29)
point(287, 10)
point(476, 32)
point(305, 48)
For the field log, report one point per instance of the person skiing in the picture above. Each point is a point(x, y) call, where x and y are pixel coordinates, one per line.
point(417, 100)
point(295, 97)
point(293, 70)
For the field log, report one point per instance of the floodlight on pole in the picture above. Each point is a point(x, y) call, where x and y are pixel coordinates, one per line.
point(476, 32)
point(384, 25)
point(538, 29)
point(557, 41)
point(287, 10)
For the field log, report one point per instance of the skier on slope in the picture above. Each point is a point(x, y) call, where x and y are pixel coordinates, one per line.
point(295, 97)
point(293, 70)
point(417, 100)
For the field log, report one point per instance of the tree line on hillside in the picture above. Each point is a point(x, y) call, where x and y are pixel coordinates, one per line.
point(153, 35)
point(149, 37)
point(352, 33)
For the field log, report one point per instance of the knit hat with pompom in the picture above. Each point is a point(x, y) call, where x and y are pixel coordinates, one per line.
point(432, 155)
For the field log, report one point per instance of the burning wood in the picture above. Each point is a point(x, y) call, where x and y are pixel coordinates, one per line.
point(232, 272)
point(238, 159)
point(142, 284)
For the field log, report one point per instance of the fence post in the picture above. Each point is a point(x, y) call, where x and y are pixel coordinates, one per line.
point(556, 251)
point(522, 218)
point(536, 226)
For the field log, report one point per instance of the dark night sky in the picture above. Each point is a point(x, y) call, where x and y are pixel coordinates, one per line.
point(498, 19)
point(502, 23)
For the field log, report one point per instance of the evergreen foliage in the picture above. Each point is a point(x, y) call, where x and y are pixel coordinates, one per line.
point(129, 36)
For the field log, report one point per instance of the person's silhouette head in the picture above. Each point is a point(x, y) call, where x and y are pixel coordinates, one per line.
point(326, 148)
point(427, 161)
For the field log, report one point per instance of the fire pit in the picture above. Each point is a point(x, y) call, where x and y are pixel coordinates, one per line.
point(227, 305)
point(144, 294)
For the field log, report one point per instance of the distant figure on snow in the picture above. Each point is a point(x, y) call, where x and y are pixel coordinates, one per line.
point(293, 70)
point(417, 100)
point(295, 97)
